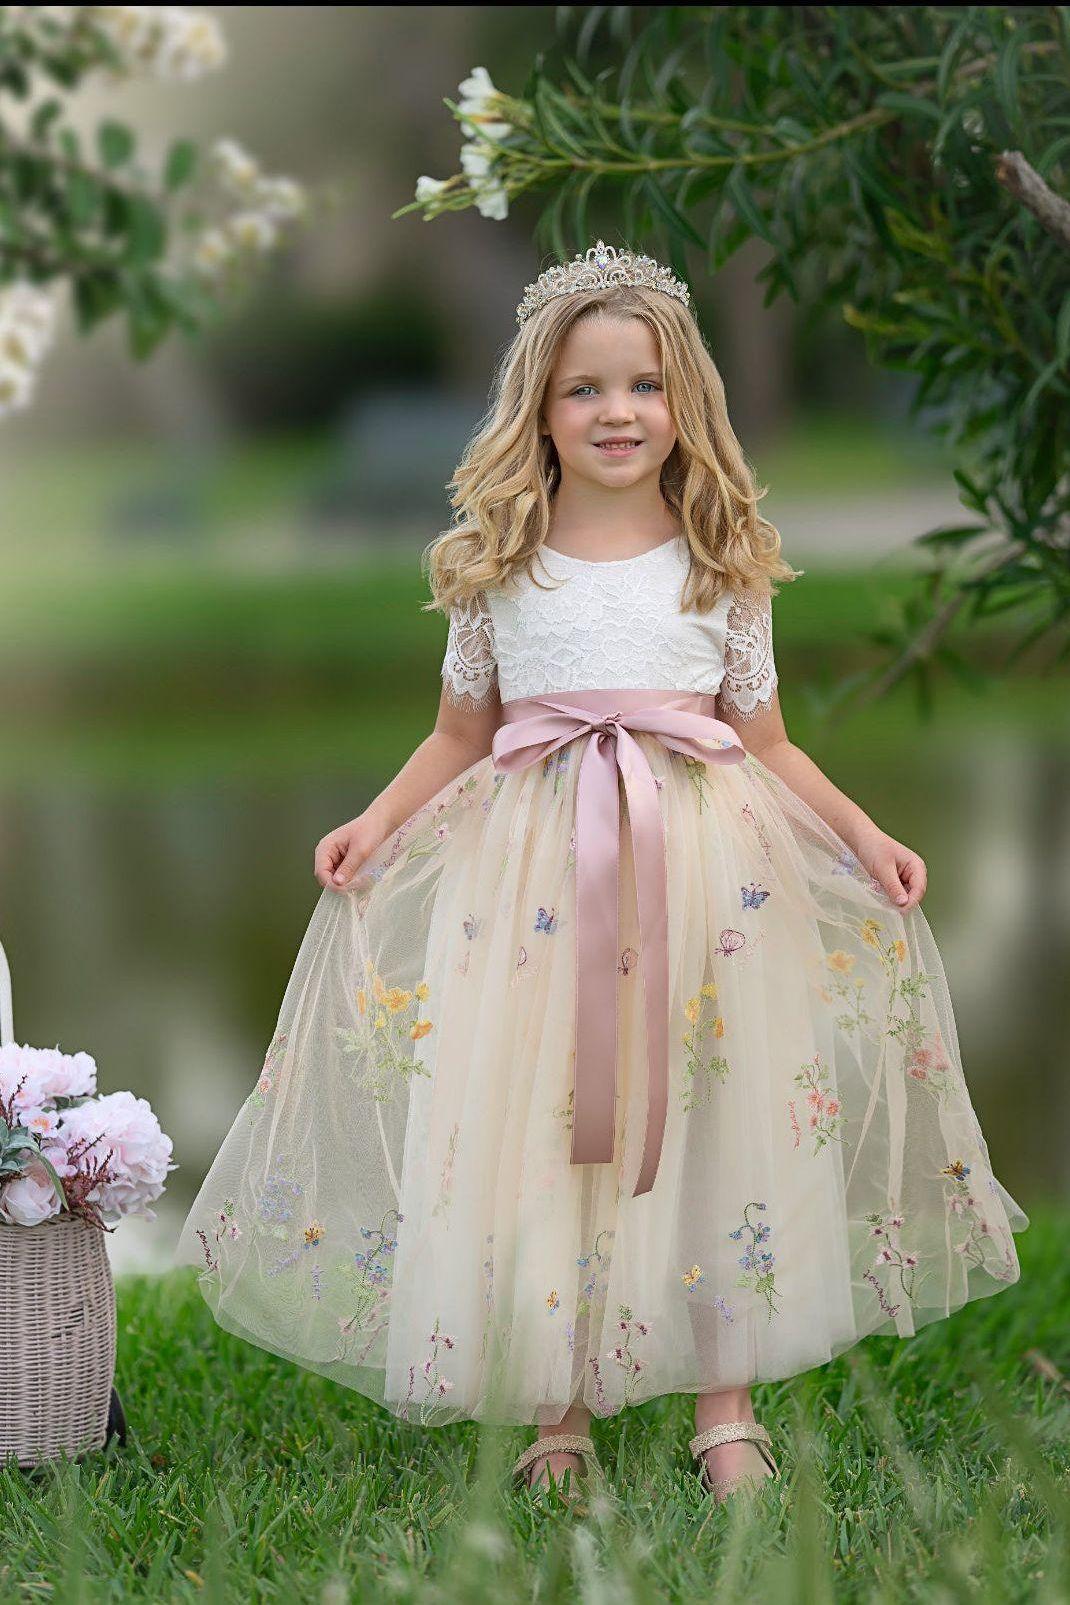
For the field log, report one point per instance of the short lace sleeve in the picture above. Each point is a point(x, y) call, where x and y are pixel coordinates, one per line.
point(470, 668)
point(749, 670)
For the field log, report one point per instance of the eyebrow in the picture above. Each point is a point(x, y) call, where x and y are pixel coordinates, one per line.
point(576, 378)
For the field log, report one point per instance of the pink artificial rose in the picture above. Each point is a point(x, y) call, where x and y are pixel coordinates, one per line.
point(29, 1199)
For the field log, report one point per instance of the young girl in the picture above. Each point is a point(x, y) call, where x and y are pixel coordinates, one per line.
point(617, 1059)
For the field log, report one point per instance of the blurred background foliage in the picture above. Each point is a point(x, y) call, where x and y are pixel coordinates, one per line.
point(210, 618)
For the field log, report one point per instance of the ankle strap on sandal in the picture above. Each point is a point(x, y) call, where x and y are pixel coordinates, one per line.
point(556, 1443)
point(732, 1432)
point(729, 1432)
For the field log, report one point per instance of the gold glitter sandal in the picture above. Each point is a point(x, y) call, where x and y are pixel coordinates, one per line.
point(731, 1432)
point(558, 1443)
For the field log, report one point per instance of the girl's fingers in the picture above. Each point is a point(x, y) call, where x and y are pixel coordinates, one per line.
point(888, 875)
point(914, 878)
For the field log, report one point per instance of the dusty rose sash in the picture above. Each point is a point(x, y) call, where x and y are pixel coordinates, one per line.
point(683, 720)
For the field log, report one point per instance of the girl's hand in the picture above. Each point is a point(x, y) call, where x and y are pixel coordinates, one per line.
point(901, 872)
point(340, 854)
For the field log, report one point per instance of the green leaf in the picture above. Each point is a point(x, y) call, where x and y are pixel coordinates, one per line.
point(676, 219)
point(913, 106)
point(746, 207)
point(951, 535)
point(180, 164)
point(115, 143)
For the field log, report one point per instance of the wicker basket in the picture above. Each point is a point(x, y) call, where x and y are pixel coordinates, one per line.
point(57, 1328)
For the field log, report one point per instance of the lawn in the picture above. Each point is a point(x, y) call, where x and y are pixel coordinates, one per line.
point(932, 1469)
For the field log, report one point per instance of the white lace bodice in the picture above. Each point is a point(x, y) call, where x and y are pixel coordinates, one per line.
point(607, 624)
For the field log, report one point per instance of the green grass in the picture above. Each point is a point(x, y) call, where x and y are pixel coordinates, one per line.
point(932, 1469)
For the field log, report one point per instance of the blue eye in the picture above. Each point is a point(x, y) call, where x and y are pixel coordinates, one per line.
point(650, 382)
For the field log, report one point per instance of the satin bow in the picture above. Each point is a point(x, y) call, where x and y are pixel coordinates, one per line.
point(682, 720)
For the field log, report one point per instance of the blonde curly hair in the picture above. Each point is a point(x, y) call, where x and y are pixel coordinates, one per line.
point(503, 489)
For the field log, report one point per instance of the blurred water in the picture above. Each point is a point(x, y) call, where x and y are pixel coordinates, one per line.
point(156, 929)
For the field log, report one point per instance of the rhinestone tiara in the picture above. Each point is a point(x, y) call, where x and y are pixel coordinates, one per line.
point(597, 269)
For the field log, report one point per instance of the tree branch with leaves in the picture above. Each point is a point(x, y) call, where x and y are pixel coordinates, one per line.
point(907, 166)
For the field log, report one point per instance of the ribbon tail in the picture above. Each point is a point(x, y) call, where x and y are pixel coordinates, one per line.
point(597, 852)
point(648, 853)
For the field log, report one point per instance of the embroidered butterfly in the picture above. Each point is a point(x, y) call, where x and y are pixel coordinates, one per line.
point(546, 921)
point(471, 926)
point(753, 896)
point(462, 967)
point(731, 942)
point(627, 959)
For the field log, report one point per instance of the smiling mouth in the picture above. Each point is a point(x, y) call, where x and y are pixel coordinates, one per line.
point(617, 447)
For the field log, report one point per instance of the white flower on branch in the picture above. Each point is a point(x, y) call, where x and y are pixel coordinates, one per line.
point(27, 327)
point(478, 107)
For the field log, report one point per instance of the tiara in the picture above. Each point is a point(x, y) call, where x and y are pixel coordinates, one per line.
point(597, 269)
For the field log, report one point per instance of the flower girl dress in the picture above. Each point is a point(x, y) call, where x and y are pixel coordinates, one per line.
point(587, 1092)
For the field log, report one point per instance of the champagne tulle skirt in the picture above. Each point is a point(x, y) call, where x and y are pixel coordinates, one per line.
point(395, 1207)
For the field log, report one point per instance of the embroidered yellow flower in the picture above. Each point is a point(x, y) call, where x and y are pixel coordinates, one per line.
point(870, 932)
point(552, 1300)
point(419, 1029)
point(314, 1233)
point(367, 966)
point(709, 990)
point(397, 998)
point(379, 988)
point(718, 1026)
point(362, 1001)
point(841, 961)
point(692, 1276)
point(692, 1006)
point(380, 1020)
point(900, 950)
point(423, 990)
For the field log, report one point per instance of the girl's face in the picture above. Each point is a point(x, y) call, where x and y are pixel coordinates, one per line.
point(606, 387)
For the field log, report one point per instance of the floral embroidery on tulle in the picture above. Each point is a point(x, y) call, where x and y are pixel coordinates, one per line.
point(630, 1330)
point(823, 1111)
point(757, 1261)
point(597, 1264)
point(891, 1259)
point(701, 1067)
point(693, 1278)
point(445, 1187)
point(369, 1275)
point(553, 1301)
point(979, 1244)
point(564, 1111)
point(758, 828)
point(273, 1201)
point(546, 920)
point(556, 763)
point(628, 960)
point(226, 1230)
point(435, 1381)
point(928, 1064)
point(266, 1083)
point(699, 775)
point(390, 1019)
